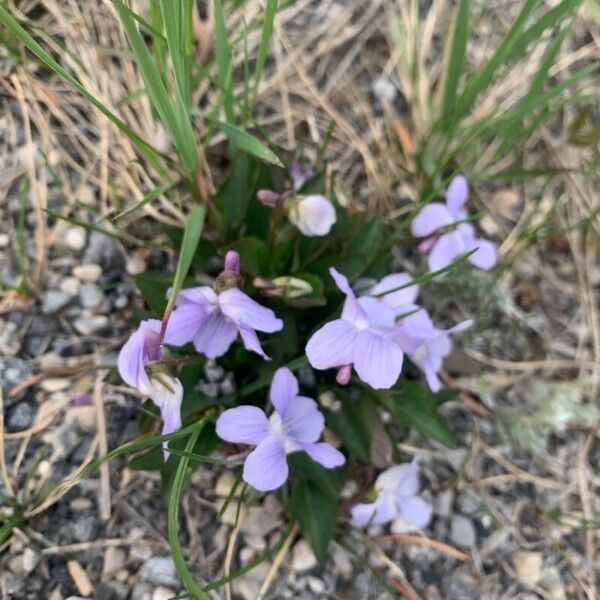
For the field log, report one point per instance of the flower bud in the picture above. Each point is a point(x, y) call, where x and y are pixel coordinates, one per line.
point(313, 215)
point(268, 197)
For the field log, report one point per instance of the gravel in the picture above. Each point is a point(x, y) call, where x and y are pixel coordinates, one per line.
point(160, 570)
point(54, 300)
point(462, 531)
point(20, 417)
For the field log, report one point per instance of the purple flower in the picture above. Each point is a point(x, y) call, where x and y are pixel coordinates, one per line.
point(461, 238)
point(295, 425)
point(213, 318)
point(427, 345)
point(365, 337)
point(142, 348)
point(313, 215)
point(397, 490)
point(400, 301)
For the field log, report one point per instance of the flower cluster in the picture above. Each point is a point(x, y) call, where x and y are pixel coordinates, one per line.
point(379, 324)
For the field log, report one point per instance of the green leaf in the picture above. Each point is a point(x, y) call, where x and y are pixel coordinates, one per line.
point(417, 407)
point(254, 254)
point(351, 424)
point(191, 237)
point(329, 481)
point(233, 195)
point(247, 142)
point(316, 512)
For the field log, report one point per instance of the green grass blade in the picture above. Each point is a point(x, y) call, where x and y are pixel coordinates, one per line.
point(265, 40)
point(245, 141)
point(173, 522)
point(18, 31)
point(224, 61)
point(191, 237)
point(456, 58)
point(174, 118)
point(149, 197)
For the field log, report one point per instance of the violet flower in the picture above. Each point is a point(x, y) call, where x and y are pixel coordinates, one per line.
point(213, 318)
point(397, 496)
point(295, 425)
point(141, 349)
point(427, 345)
point(365, 336)
point(443, 248)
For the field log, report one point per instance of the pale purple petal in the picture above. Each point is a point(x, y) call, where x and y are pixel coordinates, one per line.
point(397, 298)
point(232, 261)
point(184, 323)
point(460, 327)
point(486, 255)
point(332, 345)
point(284, 388)
point(378, 313)
point(325, 454)
point(456, 195)
point(352, 310)
point(203, 295)
point(430, 371)
point(133, 356)
point(430, 218)
point(167, 393)
point(408, 485)
point(251, 342)
point(313, 215)
point(215, 335)
point(266, 467)
point(382, 511)
point(447, 248)
point(243, 425)
point(415, 511)
point(242, 310)
point(377, 360)
point(302, 421)
point(388, 480)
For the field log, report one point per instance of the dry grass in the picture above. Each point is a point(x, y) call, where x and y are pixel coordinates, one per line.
point(326, 58)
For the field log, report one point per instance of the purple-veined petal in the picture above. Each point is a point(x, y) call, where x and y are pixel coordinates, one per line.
point(430, 218)
point(388, 480)
point(456, 195)
point(184, 323)
point(167, 393)
point(266, 467)
point(332, 345)
point(408, 485)
point(398, 298)
point(415, 511)
point(203, 295)
point(284, 388)
point(251, 342)
point(377, 360)
point(133, 357)
point(325, 454)
point(215, 336)
point(313, 215)
point(242, 310)
point(486, 255)
point(352, 311)
point(302, 421)
point(447, 248)
point(378, 313)
point(243, 425)
point(382, 511)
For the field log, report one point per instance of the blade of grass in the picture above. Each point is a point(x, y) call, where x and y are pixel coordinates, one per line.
point(152, 195)
point(224, 61)
point(19, 31)
point(265, 40)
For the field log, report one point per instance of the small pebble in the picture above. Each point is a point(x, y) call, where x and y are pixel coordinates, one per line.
point(260, 522)
point(90, 296)
point(303, 557)
point(160, 570)
point(462, 531)
point(135, 265)
point(70, 285)
point(163, 593)
point(54, 384)
point(75, 238)
point(88, 272)
point(30, 560)
point(443, 503)
point(528, 566)
point(54, 300)
point(89, 325)
point(4, 240)
point(20, 417)
point(81, 504)
point(316, 585)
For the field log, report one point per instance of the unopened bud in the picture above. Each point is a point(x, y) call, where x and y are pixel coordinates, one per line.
point(343, 375)
point(268, 197)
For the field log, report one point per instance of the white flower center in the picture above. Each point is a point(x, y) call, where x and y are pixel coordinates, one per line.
point(276, 428)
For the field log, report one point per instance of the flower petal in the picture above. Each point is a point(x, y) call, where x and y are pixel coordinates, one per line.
point(430, 218)
point(447, 248)
point(215, 335)
point(486, 255)
point(456, 195)
point(388, 480)
point(415, 511)
point(203, 295)
point(242, 310)
point(399, 298)
point(383, 510)
point(325, 454)
point(284, 388)
point(377, 360)
point(167, 394)
point(313, 215)
point(408, 485)
point(302, 421)
point(184, 323)
point(352, 310)
point(132, 357)
point(243, 425)
point(266, 467)
point(332, 345)
point(378, 313)
point(251, 342)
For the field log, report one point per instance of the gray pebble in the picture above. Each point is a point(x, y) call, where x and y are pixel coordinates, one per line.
point(462, 531)
point(83, 529)
point(160, 570)
point(456, 587)
point(467, 504)
point(20, 417)
point(54, 300)
point(90, 296)
point(443, 503)
point(104, 250)
point(89, 325)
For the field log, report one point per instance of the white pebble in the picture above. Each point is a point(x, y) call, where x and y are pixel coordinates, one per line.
point(88, 272)
point(75, 238)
